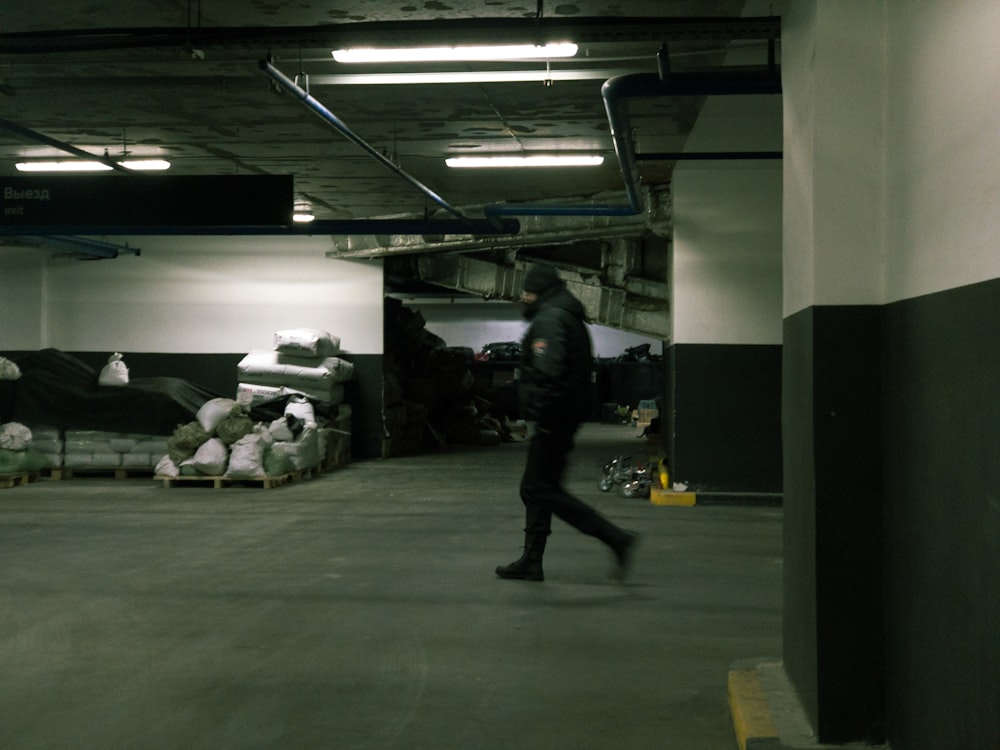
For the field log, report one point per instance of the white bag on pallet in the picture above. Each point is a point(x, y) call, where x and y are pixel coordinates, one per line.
point(210, 459)
point(167, 468)
point(303, 452)
point(15, 436)
point(306, 342)
point(272, 368)
point(246, 457)
point(215, 410)
point(256, 394)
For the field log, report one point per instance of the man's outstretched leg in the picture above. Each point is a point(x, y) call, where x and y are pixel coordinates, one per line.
point(585, 519)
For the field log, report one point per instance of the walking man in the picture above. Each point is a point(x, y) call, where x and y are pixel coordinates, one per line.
point(554, 392)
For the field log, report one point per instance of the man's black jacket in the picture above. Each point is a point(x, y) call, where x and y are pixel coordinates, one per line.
point(554, 386)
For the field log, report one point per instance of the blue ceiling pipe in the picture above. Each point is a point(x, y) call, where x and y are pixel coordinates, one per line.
point(34, 135)
point(319, 227)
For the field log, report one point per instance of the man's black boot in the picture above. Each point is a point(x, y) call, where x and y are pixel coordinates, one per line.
point(624, 548)
point(529, 566)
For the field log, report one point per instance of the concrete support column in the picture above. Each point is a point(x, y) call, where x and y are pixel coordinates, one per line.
point(834, 76)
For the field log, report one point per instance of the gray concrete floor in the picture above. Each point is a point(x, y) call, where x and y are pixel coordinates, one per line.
point(360, 610)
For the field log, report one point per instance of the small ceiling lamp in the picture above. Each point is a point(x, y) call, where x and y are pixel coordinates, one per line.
point(454, 54)
point(84, 165)
point(523, 161)
point(303, 213)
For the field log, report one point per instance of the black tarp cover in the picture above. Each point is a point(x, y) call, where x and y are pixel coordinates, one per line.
point(58, 390)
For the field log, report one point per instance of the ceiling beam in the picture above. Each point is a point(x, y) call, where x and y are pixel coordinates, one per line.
point(443, 31)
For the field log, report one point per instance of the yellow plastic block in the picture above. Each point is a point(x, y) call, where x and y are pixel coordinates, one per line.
point(658, 496)
point(748, 706)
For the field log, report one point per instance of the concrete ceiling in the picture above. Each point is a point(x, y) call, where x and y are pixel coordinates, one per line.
point(181, 79)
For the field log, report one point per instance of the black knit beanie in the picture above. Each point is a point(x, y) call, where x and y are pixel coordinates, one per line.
point(540, 278)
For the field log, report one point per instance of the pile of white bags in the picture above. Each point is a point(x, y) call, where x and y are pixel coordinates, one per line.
point(224, 442)
point(303, 361)
point(85, 449)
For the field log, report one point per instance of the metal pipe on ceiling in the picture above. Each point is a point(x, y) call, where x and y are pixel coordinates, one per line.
point(341, 127)
point(617, 91)
point(34, 135)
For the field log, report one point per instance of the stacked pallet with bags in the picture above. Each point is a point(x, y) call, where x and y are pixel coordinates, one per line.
point(305, 371)
point(225, 445)
point(298, 378)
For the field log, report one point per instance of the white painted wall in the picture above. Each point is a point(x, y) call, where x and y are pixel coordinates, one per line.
point(943, 168)
point(202, 295)
point(22, 294)
point(892, 149)
point(727, 255)
point(726, 273)
point(835, 135)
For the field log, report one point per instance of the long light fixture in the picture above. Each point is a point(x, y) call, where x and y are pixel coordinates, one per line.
point(83, 165)
point(518, 162)
point(466, 76)
point(454, 54)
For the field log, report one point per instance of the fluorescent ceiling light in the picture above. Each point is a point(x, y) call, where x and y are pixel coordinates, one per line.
point(454, 54)
point(303, 217)
point(480, 76)
point(554, 160)
point(82, 165)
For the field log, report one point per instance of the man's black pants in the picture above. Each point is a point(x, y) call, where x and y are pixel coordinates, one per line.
point(542, 489)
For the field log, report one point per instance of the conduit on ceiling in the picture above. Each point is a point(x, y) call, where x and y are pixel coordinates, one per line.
point(33, 135)
point(341, 127)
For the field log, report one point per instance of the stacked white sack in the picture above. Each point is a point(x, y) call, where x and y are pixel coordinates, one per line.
point(303, 361)
point(306, 342)
point(267, 374)
point(111, 450)
point(49, 442)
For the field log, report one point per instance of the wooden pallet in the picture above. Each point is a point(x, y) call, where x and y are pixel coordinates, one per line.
point(118, 472)
point(217, 482)
point(16, 480)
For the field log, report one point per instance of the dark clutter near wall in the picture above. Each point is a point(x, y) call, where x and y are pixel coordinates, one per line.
point(435, 394)
point(431, 397)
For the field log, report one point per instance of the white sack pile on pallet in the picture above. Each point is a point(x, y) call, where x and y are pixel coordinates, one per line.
point(223, 441)
point(303, 361)
point(18, 454)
